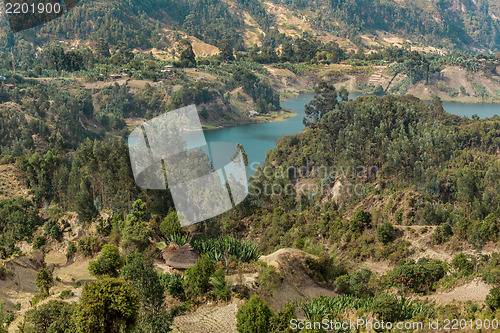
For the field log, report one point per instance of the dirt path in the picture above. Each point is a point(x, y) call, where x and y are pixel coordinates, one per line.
point(474, 291)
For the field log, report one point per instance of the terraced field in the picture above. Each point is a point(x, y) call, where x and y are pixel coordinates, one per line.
point(208, 319)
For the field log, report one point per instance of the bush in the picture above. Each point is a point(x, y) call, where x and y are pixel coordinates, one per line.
point(174, 284)
point(108, 263)
point(254, 317)
point(219, 285)
point(391, 308)
point(53, 316)
point(4, 272)
point(355, 283)
point(385, 232)
point(493, 299)
point(9, 318)
point(106, 305)
point(268, 280)
point(52, 229)
point(66, 294)
point(281, 322)
point(89, 246)
point(170, 224)
point(326, 267)
point(37, 298)
point(418, 277)
point(71, 249)
point(44, 280)
point(38, 241)
point(360, 221)
point(441, 234)
point(463, 266)
point(198, 276)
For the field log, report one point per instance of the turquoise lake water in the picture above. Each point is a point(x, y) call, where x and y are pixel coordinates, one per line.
point(257, 139)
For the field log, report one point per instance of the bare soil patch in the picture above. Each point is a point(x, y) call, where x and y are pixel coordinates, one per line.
point(474, 291)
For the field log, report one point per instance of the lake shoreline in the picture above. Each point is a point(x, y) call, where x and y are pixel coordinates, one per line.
point(275, 117)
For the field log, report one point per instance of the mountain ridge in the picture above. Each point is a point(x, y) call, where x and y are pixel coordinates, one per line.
point(444, 24)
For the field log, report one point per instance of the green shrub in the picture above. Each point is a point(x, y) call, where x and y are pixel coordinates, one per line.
point(66, 294)
point(269, 280)
point(453, 92)
point(108, 263)
point(89, 246)
point(38, 241)
point(174, 284)
point(37, 298)
point(326, 267)
point(391, 308)
point(355, 283)
point(399, 216)
point(52, 229)
point(385, 232)
point(53, 316)
point(281, 322)
point(254, 317)
point(493, 299)
point(9, 318)
point(71, 249)
point(44, 280)
point(441, 234)
point(4, 272)
point(418, 276)
point(463, 265)
point(360, 221)
point(170, 224)
point(197, 280)
point(219, 285)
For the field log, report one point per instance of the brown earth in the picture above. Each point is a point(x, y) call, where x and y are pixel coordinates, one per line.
point(474, 291)
point(208, 319)
point(298, 281)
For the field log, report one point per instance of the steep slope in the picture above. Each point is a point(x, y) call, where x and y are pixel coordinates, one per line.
point(465, 24)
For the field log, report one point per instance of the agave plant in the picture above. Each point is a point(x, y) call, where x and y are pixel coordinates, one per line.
point(225, 248)
point(177, 238)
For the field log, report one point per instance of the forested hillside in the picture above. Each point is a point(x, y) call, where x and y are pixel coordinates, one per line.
point(444, 23)
point(377, 204)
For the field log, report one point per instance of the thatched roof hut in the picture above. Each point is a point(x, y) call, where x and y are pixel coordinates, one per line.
point(169, 251)
point(183, 258)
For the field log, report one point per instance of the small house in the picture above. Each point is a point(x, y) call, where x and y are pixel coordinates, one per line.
point(115, 76)
point(183, 258)
point(253, 113)
point(169, 251)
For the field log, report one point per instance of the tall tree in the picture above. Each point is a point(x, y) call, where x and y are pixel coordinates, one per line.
point(324, 101)
point(140, 273)
point(85, 207)
point(44, 280)
point(226, 50)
